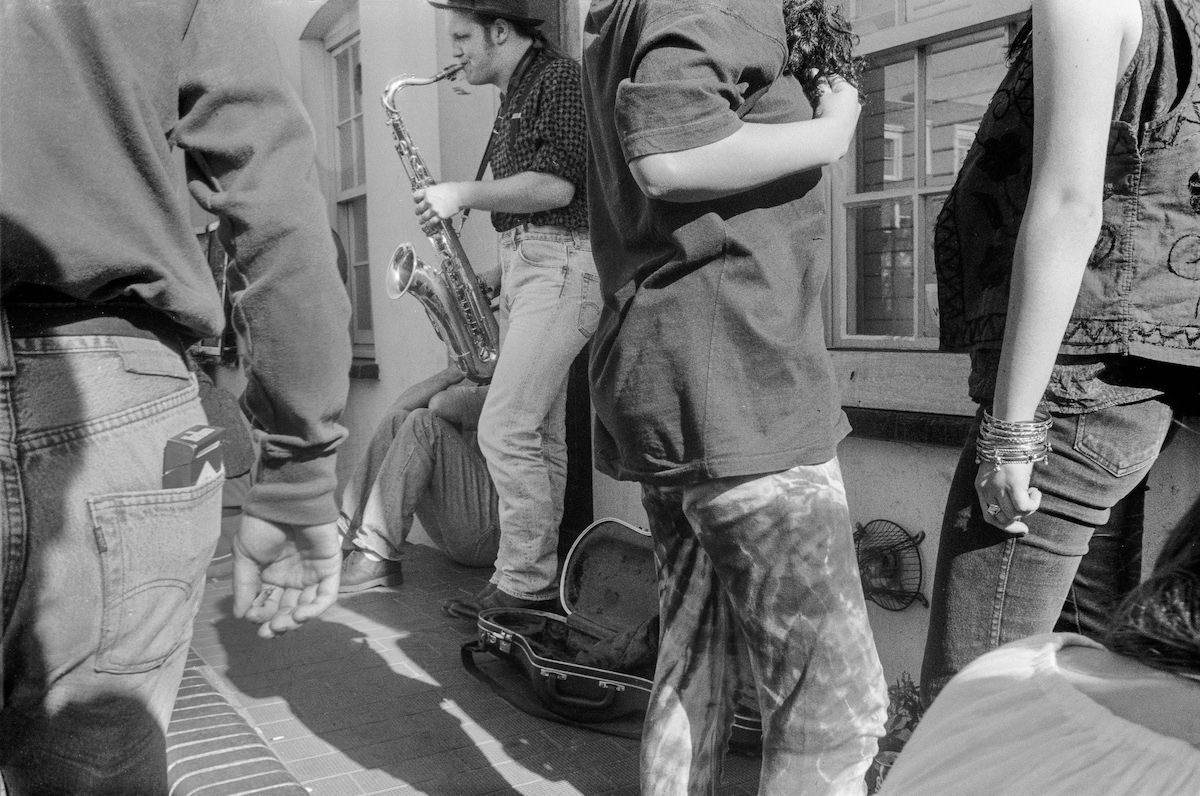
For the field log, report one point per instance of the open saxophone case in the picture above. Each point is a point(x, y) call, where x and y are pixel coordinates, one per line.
point(592, 666)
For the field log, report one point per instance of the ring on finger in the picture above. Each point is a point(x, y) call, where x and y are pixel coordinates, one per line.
point(993, 509)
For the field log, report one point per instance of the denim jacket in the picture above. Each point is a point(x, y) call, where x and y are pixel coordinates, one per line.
point(1140, 294)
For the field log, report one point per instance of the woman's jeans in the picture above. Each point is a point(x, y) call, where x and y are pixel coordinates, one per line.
point(549, 306)
point(418, 463)
point(991, 587)
point(761, 568)
point(102, 567)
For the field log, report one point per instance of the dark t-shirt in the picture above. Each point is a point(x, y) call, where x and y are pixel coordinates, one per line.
point(709, 360)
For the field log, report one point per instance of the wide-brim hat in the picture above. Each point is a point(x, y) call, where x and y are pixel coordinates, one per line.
point(516, 10)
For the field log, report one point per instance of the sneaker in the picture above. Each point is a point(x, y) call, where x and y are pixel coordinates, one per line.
point(491, 597)
point(360, 572)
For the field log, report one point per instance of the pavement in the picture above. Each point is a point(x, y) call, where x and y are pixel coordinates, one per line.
point(373, 699)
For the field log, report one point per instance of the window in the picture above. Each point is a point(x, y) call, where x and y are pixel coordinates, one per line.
point(869, 16)
point(350, 167)
point(893, 152)
point(922, 107)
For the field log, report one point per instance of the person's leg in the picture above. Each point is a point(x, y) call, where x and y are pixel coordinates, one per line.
point(690, 715)
point(782, 548)
point(459, 511)
point(1111, 569)
point(990, 587)
point(110, 564)
point(549, 305)
point(364, 484)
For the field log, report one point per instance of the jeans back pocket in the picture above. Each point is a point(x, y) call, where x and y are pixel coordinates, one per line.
point(154, 550)
point(1125, 438)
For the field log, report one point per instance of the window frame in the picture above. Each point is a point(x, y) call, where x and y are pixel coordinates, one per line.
point(906, 374)
point(347, 201)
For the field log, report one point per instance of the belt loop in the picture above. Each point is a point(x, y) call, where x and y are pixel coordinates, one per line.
point(8, 363)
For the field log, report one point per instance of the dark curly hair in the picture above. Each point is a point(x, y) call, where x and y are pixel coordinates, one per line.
point(1158, 623)
point(820, 38)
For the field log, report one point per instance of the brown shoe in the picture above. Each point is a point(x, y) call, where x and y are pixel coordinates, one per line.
point(359, 573)
point(492, 597)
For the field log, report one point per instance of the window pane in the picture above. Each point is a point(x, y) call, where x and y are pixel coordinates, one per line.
point(358, 218)
point(363, 322)
point(346, 156)
point(342, 67)
point(962, 76)
point(928, 302)
point(873, 15)
point(880, 254)
point(360, 162)
point(886, 144)
point(356, 87)
point(352, 228)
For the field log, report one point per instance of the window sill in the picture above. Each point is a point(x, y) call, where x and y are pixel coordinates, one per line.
point(890, 425)
point(905, 396)
point(925, 382)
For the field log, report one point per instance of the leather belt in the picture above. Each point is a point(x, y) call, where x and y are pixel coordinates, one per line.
point(72, 318)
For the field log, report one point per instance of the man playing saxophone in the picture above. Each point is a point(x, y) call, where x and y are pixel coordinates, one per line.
point(549, 299)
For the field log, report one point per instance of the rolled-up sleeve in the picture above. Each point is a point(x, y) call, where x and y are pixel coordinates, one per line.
point(560, 129)
point(692, 71)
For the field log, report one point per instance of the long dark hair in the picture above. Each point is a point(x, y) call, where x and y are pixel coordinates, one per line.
point(1022, 42)
point(820, 38)
point(1159, 622)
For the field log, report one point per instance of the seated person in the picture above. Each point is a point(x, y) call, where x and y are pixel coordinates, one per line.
point(423, 460)
point(1059, 713)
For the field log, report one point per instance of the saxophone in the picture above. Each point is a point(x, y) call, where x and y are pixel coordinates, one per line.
point(449, 291)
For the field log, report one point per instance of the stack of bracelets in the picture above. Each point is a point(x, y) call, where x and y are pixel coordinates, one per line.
point(1004, 442)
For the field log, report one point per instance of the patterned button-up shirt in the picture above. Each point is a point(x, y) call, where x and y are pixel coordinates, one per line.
point(542, 128)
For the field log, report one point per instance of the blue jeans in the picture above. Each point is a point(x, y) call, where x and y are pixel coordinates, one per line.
point(991, 588)
point(102, 567)
point(419, 464)
point(761, 568)
point(549, 306)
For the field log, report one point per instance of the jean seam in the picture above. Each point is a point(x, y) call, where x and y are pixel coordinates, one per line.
point(1001, 592)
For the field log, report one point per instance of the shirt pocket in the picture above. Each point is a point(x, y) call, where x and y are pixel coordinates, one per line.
point(154, 550)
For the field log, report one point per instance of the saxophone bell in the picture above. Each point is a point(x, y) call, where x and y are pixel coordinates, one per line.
point(400, 271)
point(447, 288)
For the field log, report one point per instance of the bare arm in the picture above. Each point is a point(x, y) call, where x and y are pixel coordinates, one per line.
point(419, 395)
point(754, 155)
point(1080, 49)
point(460, 406)
point(524, 192)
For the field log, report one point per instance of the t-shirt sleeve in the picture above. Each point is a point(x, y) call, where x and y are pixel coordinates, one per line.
point(561, 127)
point(691, 73)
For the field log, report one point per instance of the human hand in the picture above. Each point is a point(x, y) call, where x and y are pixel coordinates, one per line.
point(460, 406)
point(836, 99)
point(1005, 496)
point(438, 202)
point(284, 575)
point(451, 376)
